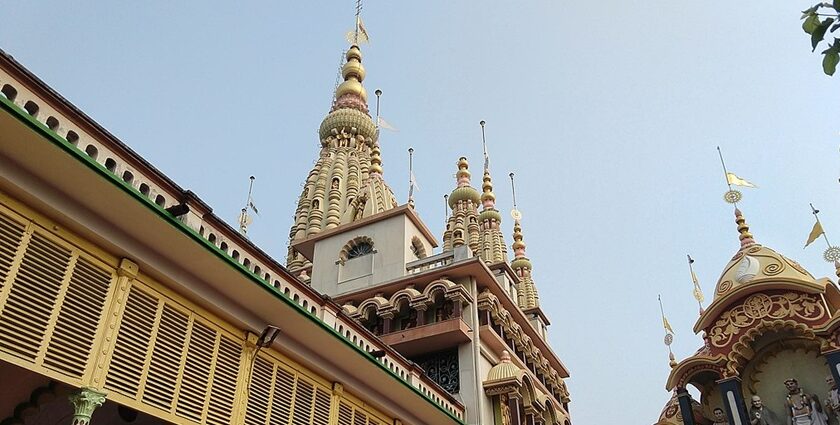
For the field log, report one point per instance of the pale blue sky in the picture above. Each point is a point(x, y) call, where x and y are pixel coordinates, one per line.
point(609, 112)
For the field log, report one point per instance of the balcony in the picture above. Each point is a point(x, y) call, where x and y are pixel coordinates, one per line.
point(428, 338)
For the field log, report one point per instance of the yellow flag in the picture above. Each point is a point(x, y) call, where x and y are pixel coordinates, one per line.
point(667, 325)
point(731, 178)
point(698, 293)
point(815, 233)
point(363, 34)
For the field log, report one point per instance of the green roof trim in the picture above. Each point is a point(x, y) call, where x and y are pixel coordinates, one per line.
point(82, 157)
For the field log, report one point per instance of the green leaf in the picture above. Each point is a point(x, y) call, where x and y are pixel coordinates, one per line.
point(837, 5)
point(811, 23)
point(830, 62)
point(819, 33)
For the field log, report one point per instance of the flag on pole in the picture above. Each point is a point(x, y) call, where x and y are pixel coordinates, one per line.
point(731, 178)
point(363, 36)
point(413, 181)
point(253, 207)
point(383, 124)
point(816, 232)
point(667, 325)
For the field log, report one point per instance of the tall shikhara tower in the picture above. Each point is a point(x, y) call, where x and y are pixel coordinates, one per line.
point(346, 182)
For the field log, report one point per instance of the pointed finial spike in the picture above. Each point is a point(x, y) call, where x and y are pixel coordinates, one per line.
point(745, 236)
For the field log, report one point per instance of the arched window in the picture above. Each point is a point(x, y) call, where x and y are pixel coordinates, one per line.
point(356, 247)
point(417, 248)
point(9, 92)
point(235, 255)
point(52, 123)
point(144, 189)
point(316, 204)
point(223, 246)
point(32, 108)
point(111, 165)
point(359, 250)
point(73, 138)
point(128, 177)
point(212, 238)
point(92, 151)
point(160, 200)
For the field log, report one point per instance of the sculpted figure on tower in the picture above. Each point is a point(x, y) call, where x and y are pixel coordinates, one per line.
point(802, 408)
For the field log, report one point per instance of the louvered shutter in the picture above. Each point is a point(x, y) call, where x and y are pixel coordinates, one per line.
point(196, 375)
point(132, 343)
point(75, 330)
point(281, 400)
point(259, 392)
point(225, 375)
point(32, 297)
point(169, 345)
point(321, 411)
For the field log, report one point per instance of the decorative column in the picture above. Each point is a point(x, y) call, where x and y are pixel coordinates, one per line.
point(513, 408)
point(833, 360)
point(126, 273)
point(335, 400)
point(684, 399)
point(421, 308)
point(246, 365)
point(733, 401)
point(85, 401)
point(387, 322)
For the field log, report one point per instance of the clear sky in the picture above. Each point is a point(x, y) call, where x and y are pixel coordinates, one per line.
point(609, 113)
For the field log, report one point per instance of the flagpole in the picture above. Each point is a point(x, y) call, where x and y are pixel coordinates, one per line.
point(484, 146)
point(378, 94)
point(446, 207)
point(672, 361)
point(250, 190)
point(725, 173)
point(358, 15)
point(697, 295)
point(513, 190)
point(411, 176)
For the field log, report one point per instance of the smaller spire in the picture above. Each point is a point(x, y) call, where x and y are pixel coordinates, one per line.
point(745, 237)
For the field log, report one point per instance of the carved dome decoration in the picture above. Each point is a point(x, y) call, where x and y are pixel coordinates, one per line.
point(690, 368)
point(671, 412)
point(757, 268)
point(503, 377)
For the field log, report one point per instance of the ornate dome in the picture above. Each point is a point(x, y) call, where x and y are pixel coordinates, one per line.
point(755, 263)
point(671, 412)
point(464, 192)
point(504, 371)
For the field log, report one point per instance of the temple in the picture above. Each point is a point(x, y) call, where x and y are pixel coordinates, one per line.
point(771, 345)
point(125, 299)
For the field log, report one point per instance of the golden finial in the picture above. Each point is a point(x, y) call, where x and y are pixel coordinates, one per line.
point(353, 73)
point(669, 334)
point(745, 237)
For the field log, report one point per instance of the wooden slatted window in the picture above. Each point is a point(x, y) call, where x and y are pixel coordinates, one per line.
point(345, 413)
point(225, 376)
point(349, 413)
point(32, 297)
point(259, 392)
point(132, 343)
point(166, 358)
point(52, 297)
point(279, 394)
point(78, 319)
point(196, 375)
point(281, 402)
point(169, 359)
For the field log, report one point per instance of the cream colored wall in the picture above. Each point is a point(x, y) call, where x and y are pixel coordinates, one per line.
point(391, 241)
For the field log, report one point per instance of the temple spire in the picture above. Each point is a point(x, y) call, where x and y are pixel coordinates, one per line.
point(521, 265)
point(345, 183)
point(491, 240)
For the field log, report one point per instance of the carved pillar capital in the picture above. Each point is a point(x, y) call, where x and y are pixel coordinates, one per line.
point(85, 401)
